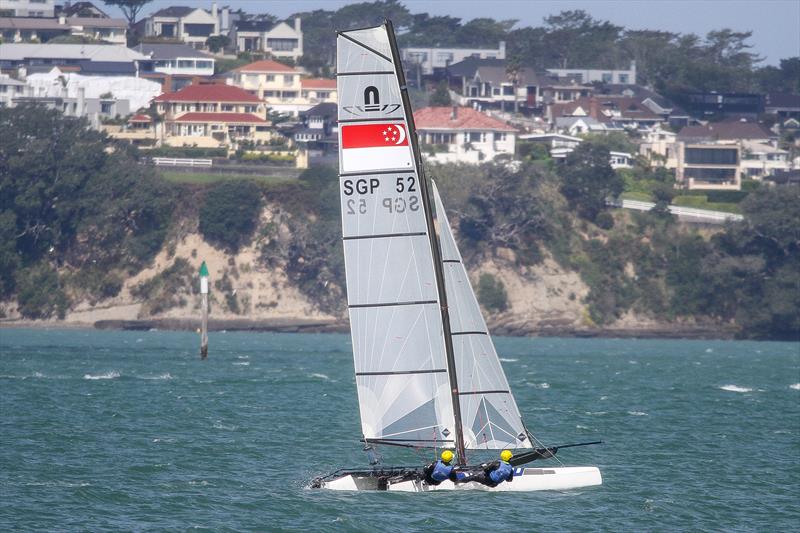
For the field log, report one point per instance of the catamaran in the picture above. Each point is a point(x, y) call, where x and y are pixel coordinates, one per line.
point(427, 372)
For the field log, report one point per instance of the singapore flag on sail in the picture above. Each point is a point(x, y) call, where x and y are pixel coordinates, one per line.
point(375, 146)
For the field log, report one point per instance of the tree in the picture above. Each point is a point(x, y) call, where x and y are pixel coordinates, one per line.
point(440, 96)
point(215, 43)
point(230, 212)
point(588, 179)
point(130, 8)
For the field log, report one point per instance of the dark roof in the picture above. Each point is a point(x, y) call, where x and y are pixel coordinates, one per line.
point(325, 109)
point(117, 68)
point(78, 7)
point(724, 131)
point(467, 67)
point(253, 25)
point(174, 11)
point(783, 100)
point(497, 75)
point(169, 50)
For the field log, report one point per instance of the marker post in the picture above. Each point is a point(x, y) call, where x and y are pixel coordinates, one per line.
point(204, 308)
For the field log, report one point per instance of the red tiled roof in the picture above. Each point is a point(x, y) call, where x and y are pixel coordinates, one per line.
point(266, 65)
point(139, 117)
point(215, 92)
point(318, 83)
point(220, 117)
point(438, 118)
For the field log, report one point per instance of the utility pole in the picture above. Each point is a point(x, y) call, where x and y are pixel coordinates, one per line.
point(204, 309)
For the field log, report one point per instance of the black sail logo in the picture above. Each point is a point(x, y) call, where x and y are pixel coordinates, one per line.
point(372, 104)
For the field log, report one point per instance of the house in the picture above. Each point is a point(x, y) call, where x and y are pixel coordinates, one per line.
point(562, 90)
point(761, 160)
point(81, 9)
point(784, 105)
point(627, 111)
point(138, 92)
point(709, 166)
point(27, 8)
point(94, 109)
point(426, 61)
point(258, 35)
point(676, 116)
point(737, 105)
point(581, 75)
point(560, 146)
point(174, 65)
point(28, 57)
point(17, 30)
point(318, 132)
point(658, 145)
point(192, 25)
point(489, 83)
point(212, 115)
point(10, 89)
point(462, 135)
point(282, 87)
point(619, 160)
point(730, 131)
point(318, 90)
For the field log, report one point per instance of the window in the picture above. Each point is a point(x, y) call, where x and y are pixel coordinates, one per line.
point(323, 94)
point(496, 91)
point(289, 94)
point(444, 57)
point(508, 90)
point(475, 137)
point(711, 156)
point(249, 109)
point(283, 45)
point(2, 88)
point(185, 63)
point(711, 175)
point(270, 77)
point(205, 64)
point(270, 94)
point(105, 107)
point(607, 77)
point(441, 138)
point(227, 107)
point(288, 79)
point(198, 30)
point(499, 136)
point(623, 78)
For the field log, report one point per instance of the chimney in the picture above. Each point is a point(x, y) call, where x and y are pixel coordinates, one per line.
point(214, 12)
point(502, 50)
point(81, 109)
point(297, 24)
point(62, 20)
point(594, 111)
point(454, 113)
point(226, 19)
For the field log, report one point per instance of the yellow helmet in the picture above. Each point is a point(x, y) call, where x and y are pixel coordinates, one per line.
point(506, 455)
point(447, 456)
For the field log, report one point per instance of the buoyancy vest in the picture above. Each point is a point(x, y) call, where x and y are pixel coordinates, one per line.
point(504, 472)
point(441, 471)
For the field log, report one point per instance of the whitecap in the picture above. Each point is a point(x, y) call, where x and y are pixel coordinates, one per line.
point(242, 363)
point(735, 388)
point(581, 427)
point(604, 397)
point(795, 386)
point(596, 413)
point(505, 360)
point(539, 385)
point(709, 350)
point(242, 357)
point(108, 375)
point(165, 375)
point(320, 376)
point(637, 413)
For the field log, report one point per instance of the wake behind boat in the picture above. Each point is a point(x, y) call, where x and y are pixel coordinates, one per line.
point(427, 372)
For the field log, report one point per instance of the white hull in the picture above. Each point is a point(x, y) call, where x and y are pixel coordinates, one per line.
point(525, 480)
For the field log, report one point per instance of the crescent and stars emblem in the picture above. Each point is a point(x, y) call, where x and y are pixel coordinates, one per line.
point(394, 134)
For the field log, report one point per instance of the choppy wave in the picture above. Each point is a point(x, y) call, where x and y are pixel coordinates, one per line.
point(242, 363)
point(795, 386)
point(505, 360)
point(108, 375)
point(543, 385)
point(320, 376)
point(735, 388)
point(165, 375)
point(637, 413)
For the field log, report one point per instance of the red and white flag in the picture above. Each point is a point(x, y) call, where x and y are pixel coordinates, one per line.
point(375, 146)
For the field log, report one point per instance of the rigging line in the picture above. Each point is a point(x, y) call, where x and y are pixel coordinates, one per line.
point(364, 73)
point(468, 333)
point(385, 236)
point(401, 372)
point(390, 304)
point(374, 172)
point(393, 121)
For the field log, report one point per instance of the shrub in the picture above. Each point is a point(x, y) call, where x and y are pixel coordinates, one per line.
point(604, 220)
point(165, 290)
point(492, 293)
point(40, 293)
point(229, 213)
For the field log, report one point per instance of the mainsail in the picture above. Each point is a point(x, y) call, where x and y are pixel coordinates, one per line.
point(489, 414)
point(427, 373)
point(392, 291)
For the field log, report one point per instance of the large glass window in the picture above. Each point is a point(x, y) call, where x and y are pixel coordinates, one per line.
point(712, 156)
point(284, 45)
point(711, 175)
point(198, 30)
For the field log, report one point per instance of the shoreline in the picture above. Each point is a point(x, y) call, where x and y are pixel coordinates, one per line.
point(709, 332)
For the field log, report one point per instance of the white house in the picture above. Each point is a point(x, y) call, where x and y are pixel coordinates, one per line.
point(610, 76)
point(10, 89)
point(191, 25)
point(760, 160)
point(27, 8)
point(462, 135)
point(429, 59)
point(177, 59)
point(280, 40)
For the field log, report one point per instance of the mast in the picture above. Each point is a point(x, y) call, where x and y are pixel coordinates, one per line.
point(427, 203)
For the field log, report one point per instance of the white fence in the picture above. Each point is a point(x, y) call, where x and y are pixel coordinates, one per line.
point(181, 162)
point(688, 213)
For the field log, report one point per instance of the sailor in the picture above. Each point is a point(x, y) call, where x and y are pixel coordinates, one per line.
point(495, 472)
point(440, 470)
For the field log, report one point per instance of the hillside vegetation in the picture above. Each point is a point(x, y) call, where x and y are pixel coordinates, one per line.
point(80, 219)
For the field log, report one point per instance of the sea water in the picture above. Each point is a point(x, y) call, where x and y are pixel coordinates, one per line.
point(130, 431)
